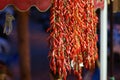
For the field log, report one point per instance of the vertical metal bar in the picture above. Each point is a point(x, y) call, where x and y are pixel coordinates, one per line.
point(103, 42)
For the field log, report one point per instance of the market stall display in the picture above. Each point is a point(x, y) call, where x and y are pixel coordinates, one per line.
point(73, 37)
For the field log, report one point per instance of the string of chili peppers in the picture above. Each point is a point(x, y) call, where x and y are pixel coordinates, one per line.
point(72, 37)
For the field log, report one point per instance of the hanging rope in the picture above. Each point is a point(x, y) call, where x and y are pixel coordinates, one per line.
point(8, 24)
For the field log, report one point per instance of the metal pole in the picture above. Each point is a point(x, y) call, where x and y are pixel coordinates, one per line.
point(103, 42)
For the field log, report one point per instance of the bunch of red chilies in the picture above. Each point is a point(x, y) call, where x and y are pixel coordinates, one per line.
point(73, 37)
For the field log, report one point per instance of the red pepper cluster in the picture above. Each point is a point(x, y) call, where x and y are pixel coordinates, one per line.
point(73, 37)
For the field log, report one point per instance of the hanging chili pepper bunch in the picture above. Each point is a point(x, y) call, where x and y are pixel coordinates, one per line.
point(72, 37)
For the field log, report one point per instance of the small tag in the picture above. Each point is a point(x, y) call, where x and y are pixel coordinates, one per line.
point(81, 65)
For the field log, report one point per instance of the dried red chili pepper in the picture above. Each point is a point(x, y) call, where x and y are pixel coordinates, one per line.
point(73, 37)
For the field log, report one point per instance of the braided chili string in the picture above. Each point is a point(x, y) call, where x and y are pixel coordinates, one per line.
point(72, 37)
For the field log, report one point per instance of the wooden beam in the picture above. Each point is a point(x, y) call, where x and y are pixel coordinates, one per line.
point(23, 44)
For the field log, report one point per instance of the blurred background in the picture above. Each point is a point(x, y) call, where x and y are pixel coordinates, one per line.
point(38, 24)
